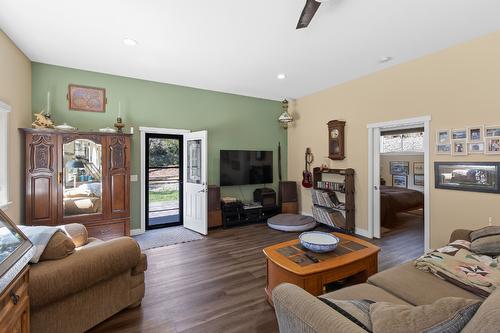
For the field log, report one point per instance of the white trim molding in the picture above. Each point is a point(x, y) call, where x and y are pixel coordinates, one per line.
point(374, 162)
point(400, 123)
point(135, 232)
point(144, 131)
point(157, 130)
point(4, 107)
point(5, 201)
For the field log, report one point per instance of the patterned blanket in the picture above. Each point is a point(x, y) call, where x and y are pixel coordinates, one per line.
point(456, 264)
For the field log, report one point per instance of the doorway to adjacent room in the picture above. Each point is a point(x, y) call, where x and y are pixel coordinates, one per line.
point(399, 181)
point(163, 180)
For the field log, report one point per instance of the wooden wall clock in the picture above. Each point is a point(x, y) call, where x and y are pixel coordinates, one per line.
point(336, 140)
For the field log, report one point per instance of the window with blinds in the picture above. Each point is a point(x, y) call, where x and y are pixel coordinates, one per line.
point(402, 141)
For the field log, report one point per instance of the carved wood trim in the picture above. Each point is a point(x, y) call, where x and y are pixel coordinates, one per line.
point(117, 151)
point(41, 154)
point(72, 137)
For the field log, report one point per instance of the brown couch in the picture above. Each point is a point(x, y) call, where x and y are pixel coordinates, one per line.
point(300, 312)
point(77, 292)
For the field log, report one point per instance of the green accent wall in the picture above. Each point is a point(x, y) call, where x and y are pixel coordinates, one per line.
point(232, 121)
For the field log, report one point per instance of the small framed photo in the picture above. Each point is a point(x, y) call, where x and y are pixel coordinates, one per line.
point(476, 148)
point(492, 146)
point(443, 149)
point(400, 181)
point(418, 180)
point(82, 98)
point(400, 167)
point(443, 136)
point(492, 131)
point(418, 168)
point(459, 148)
point(459, 134)
point(475, 134)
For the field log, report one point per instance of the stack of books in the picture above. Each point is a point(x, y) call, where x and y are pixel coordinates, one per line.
point(332, 218)
point(326, 199)
point(328, 209)
point(333, 186)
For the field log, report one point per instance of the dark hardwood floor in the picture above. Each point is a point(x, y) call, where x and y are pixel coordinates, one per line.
point(217, 284)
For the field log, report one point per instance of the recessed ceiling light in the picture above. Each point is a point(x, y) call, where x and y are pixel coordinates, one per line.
point(129, 42)
point(281, 76)
point(384, 59)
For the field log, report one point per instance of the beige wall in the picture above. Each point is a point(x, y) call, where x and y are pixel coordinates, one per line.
point(458, 87)
point(385, 168)
point(15, 90)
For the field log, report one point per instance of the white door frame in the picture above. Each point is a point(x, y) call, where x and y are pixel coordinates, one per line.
point(374, 162)
point(144, 131)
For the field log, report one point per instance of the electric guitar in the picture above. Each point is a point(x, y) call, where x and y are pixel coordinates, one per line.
point(307, 180)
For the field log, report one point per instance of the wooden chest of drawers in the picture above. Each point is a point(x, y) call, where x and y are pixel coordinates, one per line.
point(14, 306)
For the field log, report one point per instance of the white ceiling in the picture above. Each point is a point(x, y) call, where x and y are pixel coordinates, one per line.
point(239, 46)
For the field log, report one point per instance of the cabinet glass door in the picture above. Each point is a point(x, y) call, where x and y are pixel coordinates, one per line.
point(82, 177)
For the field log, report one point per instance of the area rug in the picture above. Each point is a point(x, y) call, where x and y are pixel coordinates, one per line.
point(165, 237)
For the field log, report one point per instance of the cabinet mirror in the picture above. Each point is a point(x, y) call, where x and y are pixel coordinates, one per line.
point(82, 177)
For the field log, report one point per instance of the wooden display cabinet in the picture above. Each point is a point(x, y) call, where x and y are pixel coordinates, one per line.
point(81, 177)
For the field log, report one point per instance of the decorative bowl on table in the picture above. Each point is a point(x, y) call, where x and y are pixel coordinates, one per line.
point(65, 127)
point(318, 241)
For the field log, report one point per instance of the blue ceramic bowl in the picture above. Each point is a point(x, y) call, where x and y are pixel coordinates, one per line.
point(318, 241)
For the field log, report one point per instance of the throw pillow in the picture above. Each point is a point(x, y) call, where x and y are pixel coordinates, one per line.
point(446, 315)
point(486, 241)
point(58, 247)
point(486, 318)
point(357, 311)
point(77, 232)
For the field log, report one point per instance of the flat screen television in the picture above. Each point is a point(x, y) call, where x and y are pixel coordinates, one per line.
point(243, 167)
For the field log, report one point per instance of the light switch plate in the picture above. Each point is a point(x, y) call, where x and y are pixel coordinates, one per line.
point(133, 178)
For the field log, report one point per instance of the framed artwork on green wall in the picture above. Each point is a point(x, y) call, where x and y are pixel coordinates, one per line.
point(82, 98)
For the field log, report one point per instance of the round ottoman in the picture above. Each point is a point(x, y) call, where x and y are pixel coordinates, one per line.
point(291, 222)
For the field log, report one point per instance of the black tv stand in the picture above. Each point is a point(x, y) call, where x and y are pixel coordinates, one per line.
point(237, 213)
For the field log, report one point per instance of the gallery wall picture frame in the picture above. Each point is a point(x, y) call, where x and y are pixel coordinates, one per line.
point(475, 148)
point(492, 131)
point(443, 136)
point(443, 149)
point(399, 167)
point(459, 148)
point(400, 181)
point(475, 133)
point(492, 146)
point(459, 134)
point(418, 180)
point(468, 176)
point(418, 168)
point(84, 98)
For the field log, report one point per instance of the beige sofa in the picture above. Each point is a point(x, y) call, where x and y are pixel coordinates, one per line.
point(300, 312)
point(77, 292)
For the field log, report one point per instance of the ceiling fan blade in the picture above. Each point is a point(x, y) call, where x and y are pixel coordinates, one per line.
point(308, 13)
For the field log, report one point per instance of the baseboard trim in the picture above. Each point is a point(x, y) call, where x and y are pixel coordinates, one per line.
point(135, 232)
point(362, 232)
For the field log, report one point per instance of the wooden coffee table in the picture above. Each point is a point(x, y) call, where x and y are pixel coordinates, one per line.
point(353, 260)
